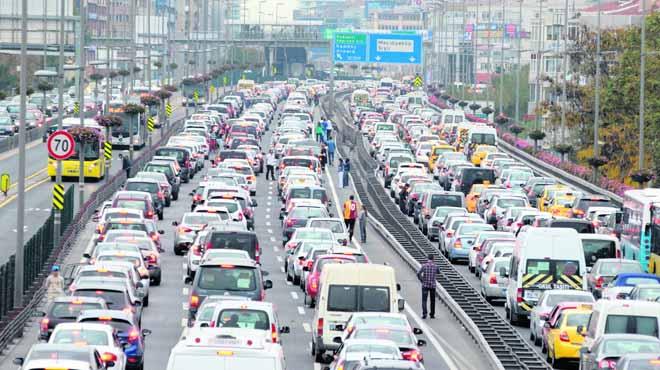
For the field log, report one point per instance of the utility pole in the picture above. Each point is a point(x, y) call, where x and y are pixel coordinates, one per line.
point(538, 68)
point(501, 97)
point(20, 217)
point(597, 92)
point(45, 26)
point(490, 55)
point(148, 49)
point(57, 218)
point(475, 54)
point(81, 98)
point(642, 86)
point(565, 70)
point(518, 34)
point(133, 49)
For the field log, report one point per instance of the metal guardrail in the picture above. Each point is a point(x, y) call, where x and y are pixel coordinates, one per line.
point(510, 349)
point(11, 142)
point(14, 319)
point(545, 169)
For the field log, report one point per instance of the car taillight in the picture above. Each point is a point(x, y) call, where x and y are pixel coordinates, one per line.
point(161, 196)
point(412, 355)
point(607, 364)
point(187, 163)
point(150, 214)
point(618, 252)
point(309, 264)
point(184, 229)
point(107, 356)
point(196, 250)
point(319, 327)
point(599, 282)
point(273, 333)
point(257, 252)
point(563, 336)
point(458, 244)
point(152, 258)
point(44, 324)
point(450, 233)
point(99, 229)
point(197, 197)
point(251, 178)
point(519, 295)
point(101, 237)
point(493, 279)
point(133, 335)
point(289, 222)
point(240, 216)
point(314, 284)
point(155, 237)
point(493, 211)
point(194, 301)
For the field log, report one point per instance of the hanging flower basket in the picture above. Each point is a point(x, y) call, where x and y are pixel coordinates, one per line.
point(113, 74)
point(44, 86)
point(133, 109)
point(173, 66)
point(516, 129)
point(501, 119)
point(189, 81)
point(563, 148)
point(462, 104)
point(163, 94)
point(642, 177)
point(170, 88)
point(96, 77)
point(124, 72)
point(453, 100)
point(474, 106)
point(437, 93)
point(84, 134)
point(137, 69)
point(149, 100)
point(597, 162)
point(537, 135)
point(158, 64)
point(445, 96)
point(487, 110)
point(110, 120)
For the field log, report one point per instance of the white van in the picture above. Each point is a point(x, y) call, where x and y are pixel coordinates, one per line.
point(385, 127)
point(543, 258)
point(481, 135)
point(345, 289)
point(622, 317)
point(226, 349)
point(452, 116)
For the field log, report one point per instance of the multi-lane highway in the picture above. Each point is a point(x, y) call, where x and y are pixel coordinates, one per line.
point(449, 346)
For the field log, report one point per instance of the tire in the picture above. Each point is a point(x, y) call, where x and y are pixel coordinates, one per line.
point(168, 202)
point(537, 341)
point(157, 280)
point(296, 279)
point(471, 268)
point(318, 355)
point(145, 301)
point(513, 318)
point(175, 196)
point(177, 251)
point(160, 216)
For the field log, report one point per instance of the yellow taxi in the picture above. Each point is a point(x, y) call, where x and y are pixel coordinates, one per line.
point(438, 149)
point(480, 152)
point(548, 193)
point(562, 339)
point(561, 205)
point(472, 198)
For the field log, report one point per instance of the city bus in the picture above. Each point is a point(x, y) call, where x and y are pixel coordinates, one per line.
point(636, 224)
point(94, 166)
point(119, 136)
point(246, 85)
point(654, 260)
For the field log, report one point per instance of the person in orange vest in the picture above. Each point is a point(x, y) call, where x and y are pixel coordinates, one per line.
point(351, 210)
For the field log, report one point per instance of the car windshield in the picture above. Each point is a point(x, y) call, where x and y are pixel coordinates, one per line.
point(471, 229)
point(617, 267)
point(126, 226)
point(159, 168)
point(555, 299)
point(439, 200)
point(244, 319)
point(129, 203)
point(69, 310)
point(178, 154)
point(229, 278)
point(110, 258)
point(620, 347)
point(231, 206)
point(578, 319)
point(595, 249)
point(119, 214)
point(555, 268)
point(650, 294)
point(335, 226)
point(329, 261)
point(354, 298)
point(81, 337)
point(201, 218)
point(373, 350)
point(401, 337)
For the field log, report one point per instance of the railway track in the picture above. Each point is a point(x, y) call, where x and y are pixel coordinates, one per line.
point(510, 348)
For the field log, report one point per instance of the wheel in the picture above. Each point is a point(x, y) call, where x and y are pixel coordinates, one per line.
point(157, 281)
point(145, 301)
point(175, 196)
point(160, 216)
point(296, 279)
point(168, 202)
point(471, 268)
point(176, 250)
point(513, 318)
point(318, 355)
point(537, 341)
point(555, 362)
point(544, 348)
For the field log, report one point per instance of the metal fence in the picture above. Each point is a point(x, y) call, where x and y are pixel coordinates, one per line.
point(11, 142)
point(42, 254)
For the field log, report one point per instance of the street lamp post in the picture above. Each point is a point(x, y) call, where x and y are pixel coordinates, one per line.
point(538, 67)
point(57, 218)
point(18, 280)
point(597, 93)
point(81, 99)
point(642, 86)
point(518, 35)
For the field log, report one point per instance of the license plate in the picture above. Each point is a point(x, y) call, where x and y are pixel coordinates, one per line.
point(532, 295)
point(226, 342)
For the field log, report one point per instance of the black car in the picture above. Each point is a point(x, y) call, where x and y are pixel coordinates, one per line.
point(580, 225)
point(182, 156)
point(66, 309)
point(233, 237)
point(7, 127)
point(153, 188)
point(474, 175)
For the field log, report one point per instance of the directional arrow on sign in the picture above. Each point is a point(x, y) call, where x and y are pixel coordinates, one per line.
point(339, 56)
point(378, 58)
point(412, 59)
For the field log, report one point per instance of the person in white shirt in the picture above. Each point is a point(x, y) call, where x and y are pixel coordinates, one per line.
point(271, 162)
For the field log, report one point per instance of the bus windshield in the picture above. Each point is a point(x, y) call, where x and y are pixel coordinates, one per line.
point(90, 151)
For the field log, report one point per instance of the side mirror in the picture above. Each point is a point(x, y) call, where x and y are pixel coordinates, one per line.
point(417, 331)
point(580, 330)
point(398, 287)
point(188, 280)
point(268, 284)
point(139, 285)
point(146, 332)
point(337, 340)
point(87, 255)
point(281, 216)
point(109, 364)
point(305, 268)
point(161, 232)
point(421, 342)
point(191, 193)
point(285, 330)
point(204, 325)
point(331, 214)
point(254, 203)
point(175, 223)
point(622, 296)
point(401, 303)
point(19, 361)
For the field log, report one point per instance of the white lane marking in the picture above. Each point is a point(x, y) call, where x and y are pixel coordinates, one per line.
point(270, 231)
point(267, 209)
point(270, 197)
point(184, 322)
point(269, 204)
point(294, 295)
point(301, 310)
point(185, 291)
point(272, 239)
point(276, 249)
point(184, 305)
point(280, 260)
point(317, 366)
point(185, 266)
point(432, 337)
point(268, 223)
point(282, 269)
point(288, 282)
point(307, 327)
point(267, 216)
point(333, 190)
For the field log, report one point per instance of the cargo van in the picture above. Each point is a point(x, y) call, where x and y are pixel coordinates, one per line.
point(206, 348)
point(621, 317)
point(543, 259)
point(597, 246)
point(345, 289)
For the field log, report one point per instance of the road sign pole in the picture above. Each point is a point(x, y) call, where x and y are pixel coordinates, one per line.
point(81, 99)
point(57, 218)
point(18, 267)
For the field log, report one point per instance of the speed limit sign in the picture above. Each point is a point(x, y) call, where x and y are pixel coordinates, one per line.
point(60, 145)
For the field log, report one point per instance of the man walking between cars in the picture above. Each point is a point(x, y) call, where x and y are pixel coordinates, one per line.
point(427, 275)
point(271, 162)
point(351, 209)
point(363, 224)
point(54, 284)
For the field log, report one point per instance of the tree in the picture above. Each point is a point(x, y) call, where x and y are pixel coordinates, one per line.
point(509, 95)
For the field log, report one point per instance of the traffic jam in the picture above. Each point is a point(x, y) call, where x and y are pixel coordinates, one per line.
point(573, 267)
point(196, 202)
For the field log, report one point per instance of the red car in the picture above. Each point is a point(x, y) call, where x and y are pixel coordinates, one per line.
point(314, 273)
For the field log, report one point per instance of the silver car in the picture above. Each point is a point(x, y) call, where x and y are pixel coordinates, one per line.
point(438, 218)
point(494, 280)
point(335, 225)
point(547, 301)
point(191, 223)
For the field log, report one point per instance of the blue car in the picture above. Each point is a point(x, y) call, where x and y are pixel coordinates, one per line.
point(624, 283)
point(129, 333)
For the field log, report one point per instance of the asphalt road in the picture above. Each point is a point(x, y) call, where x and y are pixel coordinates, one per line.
point(38, 201)
point(449, 347)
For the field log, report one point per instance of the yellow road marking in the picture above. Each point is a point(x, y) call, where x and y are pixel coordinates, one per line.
point(13, 196)
point(30, 177)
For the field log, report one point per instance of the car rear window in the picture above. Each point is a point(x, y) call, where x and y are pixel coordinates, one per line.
point(298, 162)
point(54, 354)
point(354, 298)
point(399, 336)
point(584, 204)
point(69, 310)
point(81, 337)
point(449, 200)
point(130, 203)
point(114, 299)
point(308, 212)
point(597, 249)
point(244, 319)
point(126, 226)
point(148, 187)
point(234, 240)
point(171, 152)
point(631, 324)
point(580, 227)
point(229, 278)
point(119, 325)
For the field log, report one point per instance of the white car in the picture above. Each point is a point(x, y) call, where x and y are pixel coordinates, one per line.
point(194, 255)
point(335, 225)
point(233, 207)
point(100, 336)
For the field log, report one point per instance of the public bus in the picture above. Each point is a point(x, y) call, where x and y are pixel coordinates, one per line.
point(119, 136)
point(246, 85)
point(636, 225)
point(654, 260)
point(94, 166)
